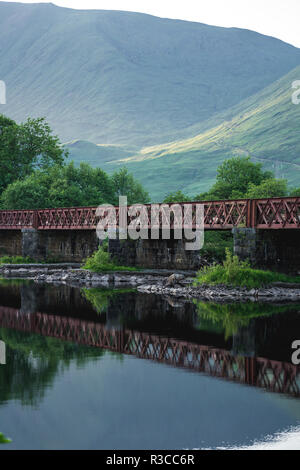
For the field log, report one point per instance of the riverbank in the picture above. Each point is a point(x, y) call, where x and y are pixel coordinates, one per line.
point(161, 282)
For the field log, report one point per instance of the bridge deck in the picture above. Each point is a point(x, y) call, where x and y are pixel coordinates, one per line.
point(273, 213)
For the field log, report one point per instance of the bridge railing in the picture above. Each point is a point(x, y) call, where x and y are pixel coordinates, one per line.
point(10, 219)
point(276, 213)
point(272, 213)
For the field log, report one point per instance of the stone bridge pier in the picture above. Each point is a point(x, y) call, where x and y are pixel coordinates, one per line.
point(276, 250)
point(267, 249)
point(76, 245)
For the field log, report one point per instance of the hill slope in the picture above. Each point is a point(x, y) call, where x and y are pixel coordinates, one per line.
point(128, 78)
point(265, 126)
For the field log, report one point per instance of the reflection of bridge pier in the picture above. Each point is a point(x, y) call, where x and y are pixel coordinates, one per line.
point(244, 341)
point(30, 296)
point(275, 376)
point(251, 370)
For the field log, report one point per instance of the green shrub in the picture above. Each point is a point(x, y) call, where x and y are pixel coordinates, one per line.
point(101, 261)
point(236, 273)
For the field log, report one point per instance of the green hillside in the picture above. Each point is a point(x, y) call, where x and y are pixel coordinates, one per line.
point(265, 126)
point(114, 77)
point(98, 155)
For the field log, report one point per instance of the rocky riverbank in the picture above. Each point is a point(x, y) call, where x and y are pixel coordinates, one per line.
point(160, 282)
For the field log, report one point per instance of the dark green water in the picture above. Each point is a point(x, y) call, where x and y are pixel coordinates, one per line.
point(99, 369)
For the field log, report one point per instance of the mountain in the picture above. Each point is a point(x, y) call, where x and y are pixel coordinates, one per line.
point(121, 78)
point(98, 154)
point(265, 126)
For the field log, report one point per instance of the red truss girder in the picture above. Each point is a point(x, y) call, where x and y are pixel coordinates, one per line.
point(278, 213)
point(275, 376)
point(274, 213)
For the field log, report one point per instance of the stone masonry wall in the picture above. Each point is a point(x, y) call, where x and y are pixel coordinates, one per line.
point(277, 250)
point(10, 242)
point(164, 254)
point(59, 245)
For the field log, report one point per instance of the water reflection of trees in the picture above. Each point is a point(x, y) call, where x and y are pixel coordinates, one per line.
point(33, 362)
point(100, 298)
point(229, 318)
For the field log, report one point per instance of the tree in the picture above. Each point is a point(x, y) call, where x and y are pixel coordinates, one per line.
point(25, 148)
point(125, 185)
point(177, 196)
point(269, 188)
point(234, 177)
point(67, 186)
point(64, 186)
point(295, 192)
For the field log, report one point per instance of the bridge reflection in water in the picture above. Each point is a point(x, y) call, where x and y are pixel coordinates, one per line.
point(274, 376)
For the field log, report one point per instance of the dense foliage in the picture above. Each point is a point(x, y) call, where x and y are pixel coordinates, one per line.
point(239, 178)
point(34, 174)
point(25, 148)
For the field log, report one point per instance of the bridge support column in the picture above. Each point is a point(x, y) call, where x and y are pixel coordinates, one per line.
point(32, 244)
point(30, 298)
point(244, 341)
point(245, 243)
point(277, 250)
point(65, 246)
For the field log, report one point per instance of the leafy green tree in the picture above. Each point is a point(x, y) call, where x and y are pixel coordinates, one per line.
point(177, 196)
point(60, 187)
point(25, 148)
point(67, 186)
point(234, 176)
point(269, 188)
point(295, 192)
point(125, 185)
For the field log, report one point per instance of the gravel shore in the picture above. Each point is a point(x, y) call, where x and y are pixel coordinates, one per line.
point(161, 282)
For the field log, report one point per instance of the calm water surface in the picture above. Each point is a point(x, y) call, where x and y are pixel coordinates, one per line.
point(103, 369)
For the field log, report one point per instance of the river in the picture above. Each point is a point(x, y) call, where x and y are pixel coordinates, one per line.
point(117, 369)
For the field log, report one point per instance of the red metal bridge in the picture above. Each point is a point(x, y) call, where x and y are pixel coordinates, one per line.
point(274, 376)
point(273, 213)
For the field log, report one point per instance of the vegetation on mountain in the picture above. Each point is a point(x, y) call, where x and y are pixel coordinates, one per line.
point(264, 127)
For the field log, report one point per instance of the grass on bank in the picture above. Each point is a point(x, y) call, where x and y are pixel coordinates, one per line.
point(100, 261)
point(235, 273)
point(16, 260)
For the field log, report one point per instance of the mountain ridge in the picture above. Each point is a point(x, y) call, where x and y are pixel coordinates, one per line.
point(129, 78)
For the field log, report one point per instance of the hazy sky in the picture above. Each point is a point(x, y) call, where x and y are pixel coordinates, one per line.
point(279, 18)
